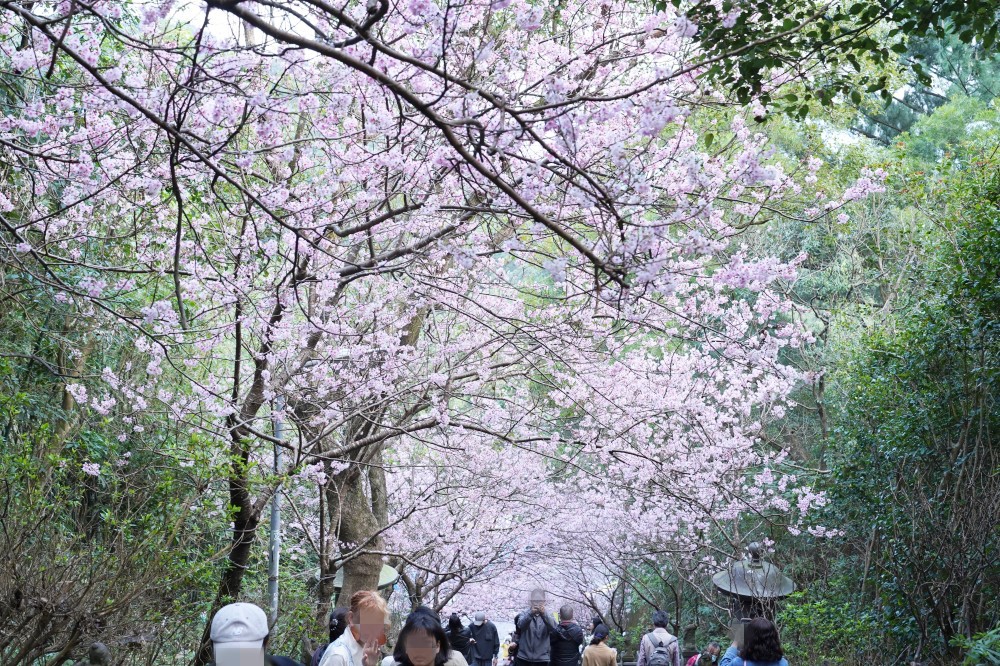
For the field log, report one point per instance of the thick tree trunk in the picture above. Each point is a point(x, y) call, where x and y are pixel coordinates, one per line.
point(358, 524)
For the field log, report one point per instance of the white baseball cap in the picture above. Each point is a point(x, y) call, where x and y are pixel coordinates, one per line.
point(238, 633)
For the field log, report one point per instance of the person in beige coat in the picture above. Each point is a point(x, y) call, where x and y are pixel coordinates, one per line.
point(598, 653)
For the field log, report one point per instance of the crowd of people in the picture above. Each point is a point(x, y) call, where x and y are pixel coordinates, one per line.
point(359, 634)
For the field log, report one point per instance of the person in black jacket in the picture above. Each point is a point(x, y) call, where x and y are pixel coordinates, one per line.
point(459, 637)
point(485, 641)
point(567, 639)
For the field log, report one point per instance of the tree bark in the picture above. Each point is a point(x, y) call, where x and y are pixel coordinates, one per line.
point(244, 534)
point(358, 525)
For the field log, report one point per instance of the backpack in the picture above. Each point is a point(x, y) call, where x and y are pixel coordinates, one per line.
point(661, 653)
point(317, 656)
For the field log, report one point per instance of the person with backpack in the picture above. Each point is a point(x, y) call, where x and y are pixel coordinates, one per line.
point(338, 624)
point(659, 647)
point(567, 640)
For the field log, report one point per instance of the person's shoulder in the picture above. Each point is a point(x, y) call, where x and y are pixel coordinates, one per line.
point(335, 654)
point(282, 661)
point(456, 658)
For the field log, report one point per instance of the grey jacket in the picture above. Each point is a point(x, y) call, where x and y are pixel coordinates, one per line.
point(534, 632)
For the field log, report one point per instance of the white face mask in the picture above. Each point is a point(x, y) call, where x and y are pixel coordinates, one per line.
point(479, 623)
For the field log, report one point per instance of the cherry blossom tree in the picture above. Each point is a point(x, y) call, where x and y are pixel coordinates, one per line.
point(439, 240)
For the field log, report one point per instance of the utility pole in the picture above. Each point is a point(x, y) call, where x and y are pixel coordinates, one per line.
point(274, 546)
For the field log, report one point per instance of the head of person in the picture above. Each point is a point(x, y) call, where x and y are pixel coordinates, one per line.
point(422, 641)
point(367, 617)
point(594, 621)
point(601, 634)
point(537, 599)
point(338, 622)
point(99, 655)
point(760, 641)
point(661, 619)
point(454, 623)
point(566, 613)
point(711, 652)
point(239, 635)
point(480, 618)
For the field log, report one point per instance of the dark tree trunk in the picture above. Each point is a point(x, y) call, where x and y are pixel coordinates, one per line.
point(244, 534)
point(358, 525)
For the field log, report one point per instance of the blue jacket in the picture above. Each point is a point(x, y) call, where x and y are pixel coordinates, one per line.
point(732, 658)
point(739, 662)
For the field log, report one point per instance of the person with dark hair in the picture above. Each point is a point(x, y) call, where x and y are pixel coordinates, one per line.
point(452, 657)
point(422, 641)
point(659, 647)
point(338, 623)
point(534, 629)
point(567, 639)
point(459, 637)
point(761, 646)
point(598, 653)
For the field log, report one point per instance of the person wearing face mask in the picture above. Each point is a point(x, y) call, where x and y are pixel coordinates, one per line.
point(707, 657)
point(485, 641)
point(359, 644)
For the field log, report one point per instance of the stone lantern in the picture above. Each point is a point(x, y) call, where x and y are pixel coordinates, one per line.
point(753, 586)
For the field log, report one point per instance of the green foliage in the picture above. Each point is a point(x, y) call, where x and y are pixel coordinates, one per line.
point(916, 482)
point(956, 68)
point(848, 48)
point(983, 648)
point(815, 629)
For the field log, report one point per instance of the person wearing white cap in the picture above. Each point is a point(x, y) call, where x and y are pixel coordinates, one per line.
point(239, 637)
point(485, 641)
